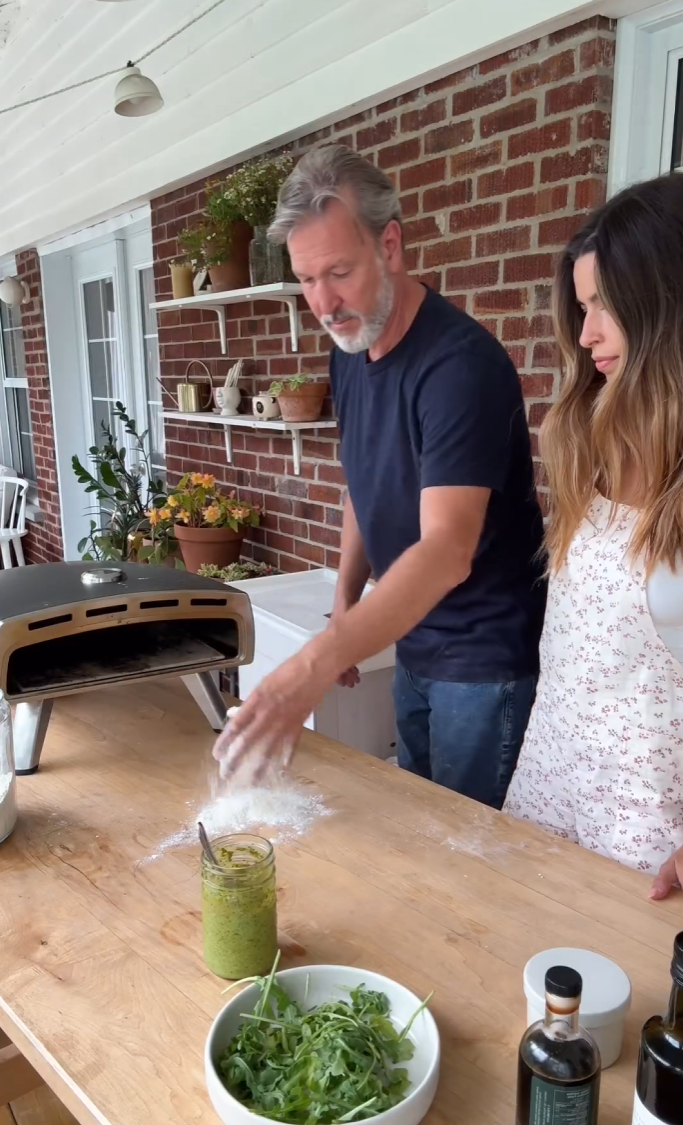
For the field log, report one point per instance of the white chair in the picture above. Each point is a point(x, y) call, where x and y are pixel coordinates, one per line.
point(12, 519)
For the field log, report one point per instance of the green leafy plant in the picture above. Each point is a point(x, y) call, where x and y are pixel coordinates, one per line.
point(208, 244)
point(124, 492)
point(197, 501)
point(292, 384)
point(237, 572)
point(334, 1063)
point(252, 191)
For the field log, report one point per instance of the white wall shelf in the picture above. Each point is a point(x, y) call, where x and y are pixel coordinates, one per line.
point(284, 292)
point(244, 422)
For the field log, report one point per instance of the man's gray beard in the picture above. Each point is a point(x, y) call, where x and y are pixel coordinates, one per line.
point(371, 327)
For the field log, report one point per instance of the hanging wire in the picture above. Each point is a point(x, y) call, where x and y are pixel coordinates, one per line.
point(118, 69)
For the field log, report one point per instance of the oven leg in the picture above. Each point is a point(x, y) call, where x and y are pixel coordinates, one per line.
point(29, 727)
point(202, 687)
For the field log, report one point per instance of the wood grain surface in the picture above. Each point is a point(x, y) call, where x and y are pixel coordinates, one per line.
point(103, 987)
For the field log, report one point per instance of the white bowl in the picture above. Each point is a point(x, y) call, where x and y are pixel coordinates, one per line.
point(328, 982)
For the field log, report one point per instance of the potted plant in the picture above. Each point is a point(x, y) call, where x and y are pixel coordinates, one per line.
point(182, 278)
point(300, 398)
point(209, 525)
point(253, 191)
point(237, 572)
point(124, 492)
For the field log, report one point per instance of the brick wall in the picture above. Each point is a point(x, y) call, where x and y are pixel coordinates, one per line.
point(496, 166)
point(44, 540)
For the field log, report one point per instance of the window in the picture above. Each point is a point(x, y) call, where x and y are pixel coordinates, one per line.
point(18, 433)
point(102, 355)
point(150, 340)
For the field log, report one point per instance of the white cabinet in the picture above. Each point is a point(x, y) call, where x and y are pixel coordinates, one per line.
point(290, 609)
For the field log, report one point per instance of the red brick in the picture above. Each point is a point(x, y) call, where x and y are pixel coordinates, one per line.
point(537, 413)
point(507, 58)
point(459, 300)
point(501, 301)
point(474, 218)
point(593, 23)
point(597, 53)
point(310, 552)
point(510, 117)
point(449, 136)
point(568, 165)
point(324, 494)
point(331, 474)
point(350, 122)
point(421, 230)
point(507, 240)
point(589, 194)
point(537, 386)
point(419, 119)
point(450, 80)
point(304, 510)
point(517, 353)
point(411, 258)
point(541, 327)
point(557, 232)
point(447, 195)
point(475, 97)
point(556, 134)
point(543, 73)
point(539, 203)
point(428, 172)
point(529, 267)
point(474, 159)
point(377, 134)
point(594, 125)
point(329, 536)
point(410, 204)
point(396, 103)
point(405, 152)
point(543, 296)
point(589, 91)
point(469, 277)
point(296, 528)
point(545, 355)
point(504, 181)
point(515, 328)
point(452, 250)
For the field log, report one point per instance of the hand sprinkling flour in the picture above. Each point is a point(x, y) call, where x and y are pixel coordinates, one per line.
point(258, 767)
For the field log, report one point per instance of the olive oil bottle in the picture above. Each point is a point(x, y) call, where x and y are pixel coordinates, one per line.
point(659, 1086)
point(558, 1080)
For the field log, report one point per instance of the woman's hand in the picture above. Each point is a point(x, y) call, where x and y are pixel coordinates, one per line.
point(670, 876)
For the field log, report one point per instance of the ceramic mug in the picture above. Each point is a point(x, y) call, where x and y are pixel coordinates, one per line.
point(265, 406)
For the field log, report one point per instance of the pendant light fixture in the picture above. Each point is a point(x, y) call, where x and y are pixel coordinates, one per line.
point(14, 292)
point(136, 95)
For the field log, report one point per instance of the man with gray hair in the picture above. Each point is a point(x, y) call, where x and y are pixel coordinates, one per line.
point(441, 506)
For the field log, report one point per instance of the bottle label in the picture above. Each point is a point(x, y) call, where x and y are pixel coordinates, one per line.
point(562, 1105)
point(642, 1116)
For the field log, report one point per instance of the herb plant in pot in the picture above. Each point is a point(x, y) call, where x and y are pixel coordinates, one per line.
point(300, 398)
point(209, 525)
point(253, 190)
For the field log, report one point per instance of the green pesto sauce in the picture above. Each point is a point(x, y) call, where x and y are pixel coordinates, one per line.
point(239, 916)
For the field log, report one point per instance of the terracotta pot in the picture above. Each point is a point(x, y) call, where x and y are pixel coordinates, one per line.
point(234, 274)
point(218, 545)
point(305, 404)
point(181, 281)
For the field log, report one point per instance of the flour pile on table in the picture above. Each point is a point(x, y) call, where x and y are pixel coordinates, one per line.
point(282, 812)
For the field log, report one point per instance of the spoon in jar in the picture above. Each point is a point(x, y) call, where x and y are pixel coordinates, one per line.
point(206, 846)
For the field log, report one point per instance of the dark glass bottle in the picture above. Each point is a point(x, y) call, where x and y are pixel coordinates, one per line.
point(558, 1081)
point(659, 1086)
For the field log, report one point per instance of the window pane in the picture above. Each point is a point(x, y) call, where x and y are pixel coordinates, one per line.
point(102, 412)
point(147, 315)
point(20, 433)
point(100, 364)
point(100, 309)
point(12, 342)
point(152, 369)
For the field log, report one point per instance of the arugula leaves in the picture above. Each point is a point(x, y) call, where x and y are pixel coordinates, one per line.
point(333, 1064)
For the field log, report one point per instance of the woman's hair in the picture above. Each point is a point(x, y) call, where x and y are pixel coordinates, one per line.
point(600, 431)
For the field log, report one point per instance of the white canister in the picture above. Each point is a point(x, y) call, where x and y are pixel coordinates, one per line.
point(605, 1000)
point(265, 406)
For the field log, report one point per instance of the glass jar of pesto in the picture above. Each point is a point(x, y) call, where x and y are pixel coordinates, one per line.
point(239, 911)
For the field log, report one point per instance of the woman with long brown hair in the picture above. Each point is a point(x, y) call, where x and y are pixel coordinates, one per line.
point(602, 762)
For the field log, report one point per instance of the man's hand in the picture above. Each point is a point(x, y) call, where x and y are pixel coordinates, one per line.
point(349, 678)
point(670, 876)
point(268, 726)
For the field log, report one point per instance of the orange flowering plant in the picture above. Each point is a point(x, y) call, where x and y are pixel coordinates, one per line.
point(197, 501)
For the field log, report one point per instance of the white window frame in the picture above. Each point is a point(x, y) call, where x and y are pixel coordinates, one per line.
point(8, 267)
point(140, 337)
point(649, 46)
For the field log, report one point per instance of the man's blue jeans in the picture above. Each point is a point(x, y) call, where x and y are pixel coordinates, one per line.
point(466, 737)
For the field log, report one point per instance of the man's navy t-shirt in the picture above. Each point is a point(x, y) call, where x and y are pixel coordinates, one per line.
point(445, 408)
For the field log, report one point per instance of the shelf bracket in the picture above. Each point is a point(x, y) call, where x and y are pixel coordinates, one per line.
point(223, 332)
point(228, 444)
point(296, 451)
point(293, 321)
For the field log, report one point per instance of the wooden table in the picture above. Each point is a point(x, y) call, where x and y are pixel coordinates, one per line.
point(102, 983)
